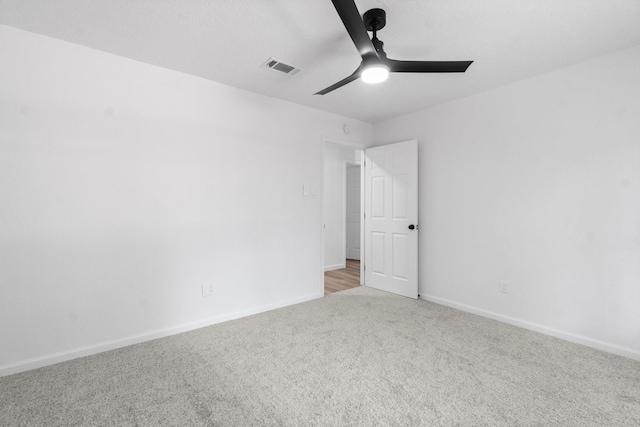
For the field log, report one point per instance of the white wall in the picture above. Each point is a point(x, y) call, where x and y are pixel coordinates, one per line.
point(335, 162)
point(124, 187)
point(537, 184)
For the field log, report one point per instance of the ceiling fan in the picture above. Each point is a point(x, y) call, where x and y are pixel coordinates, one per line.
point(375, 66)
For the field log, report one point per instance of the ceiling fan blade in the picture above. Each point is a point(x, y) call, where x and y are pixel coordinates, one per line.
point(427, 66)
point(355, 27)
point(352, 77)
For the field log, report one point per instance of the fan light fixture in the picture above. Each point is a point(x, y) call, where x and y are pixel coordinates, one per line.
point(375, 73)
point(375, 65)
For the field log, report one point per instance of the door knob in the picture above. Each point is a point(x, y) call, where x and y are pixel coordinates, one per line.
point(411, 227)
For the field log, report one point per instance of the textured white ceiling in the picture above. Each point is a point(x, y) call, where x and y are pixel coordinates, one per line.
point(228, 40)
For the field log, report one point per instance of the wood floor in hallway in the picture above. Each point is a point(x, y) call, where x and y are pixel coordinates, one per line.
point(342, 279)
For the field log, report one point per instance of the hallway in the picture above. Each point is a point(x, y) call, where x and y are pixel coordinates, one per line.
point(342, 279)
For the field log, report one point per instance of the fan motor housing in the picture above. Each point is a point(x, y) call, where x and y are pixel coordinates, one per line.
point(374, 19)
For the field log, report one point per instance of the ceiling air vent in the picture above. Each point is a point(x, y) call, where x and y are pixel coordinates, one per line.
point(277, 65)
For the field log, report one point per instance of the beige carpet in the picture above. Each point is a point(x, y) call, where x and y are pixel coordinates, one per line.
point(355, 358)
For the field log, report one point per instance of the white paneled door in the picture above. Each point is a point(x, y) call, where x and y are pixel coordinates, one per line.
point(391, 215)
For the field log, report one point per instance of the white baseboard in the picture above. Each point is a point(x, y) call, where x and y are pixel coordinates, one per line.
point(50, 359)
point(567, 336)
point(335, 267)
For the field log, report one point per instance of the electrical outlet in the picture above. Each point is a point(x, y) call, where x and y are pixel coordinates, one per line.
point(504, 287)
point(207, 289)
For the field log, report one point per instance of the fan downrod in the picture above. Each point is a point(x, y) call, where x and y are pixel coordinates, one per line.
point(374, 19)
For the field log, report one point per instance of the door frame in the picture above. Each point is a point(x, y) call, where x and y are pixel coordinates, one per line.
point(359, 148)
point(360, 165)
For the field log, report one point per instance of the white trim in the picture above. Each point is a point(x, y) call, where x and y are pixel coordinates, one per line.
point(567, 336)
point(344, 211)
point(362, 215)
point(50, 359)
point(335, 267)
point(357, 163)
point(343, 143)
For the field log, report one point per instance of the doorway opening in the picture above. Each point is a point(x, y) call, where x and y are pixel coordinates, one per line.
point(342, 217)
point(342, 278)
